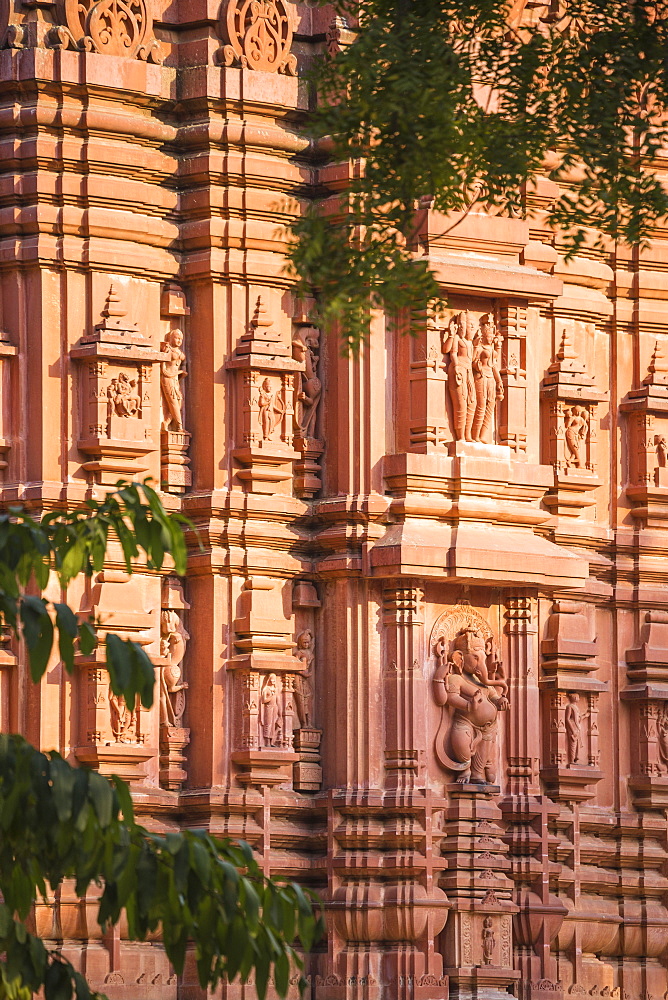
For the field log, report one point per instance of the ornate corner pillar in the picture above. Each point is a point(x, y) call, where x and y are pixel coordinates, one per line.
point(513, 318)
point(405, 702)
point(646, 411)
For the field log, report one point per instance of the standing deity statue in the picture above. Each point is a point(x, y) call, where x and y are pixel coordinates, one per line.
point(487, 381)
point(488, 941)
point(271, 722)
point(173, 639)
point(466, 742)
point(170, 374)
point(310, 390)
point(271, 409)
point(661, 450)
point(573, 718)
point(458, 345)
point(122, 719)
point(576, 420)
point(304, 682)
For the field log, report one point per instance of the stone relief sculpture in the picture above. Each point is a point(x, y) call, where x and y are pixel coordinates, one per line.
point(458, 345)
point(271, 409)
point(470, 687)
point(122, 719)
point(487, 381)
point(111, 27)
point(259, 35)
point(310, 391)
point(123, 397)
point(171, 372)
point(173, 639)
point(474, 378)
point(573, 719)
point(576, 423)
point(304, 682)
point(662, 733)
point(488, 941)
point(271, 718)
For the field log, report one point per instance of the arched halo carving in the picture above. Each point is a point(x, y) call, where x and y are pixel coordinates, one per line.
point(109, 27)
point(258, 34)
point(456, 619)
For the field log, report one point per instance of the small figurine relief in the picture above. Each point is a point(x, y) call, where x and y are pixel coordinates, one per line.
point(573, 719)
point(271, 716)
point(271, 407)
point(123, 396)
point(173, 639)
point(304, 682)
point(661, 450)
point(259, 35)
point(308, 396)
point(488, 941)
point(123, 720)
point(576, 424)
point(469, 684)
point(171, 372)
point(474, 378)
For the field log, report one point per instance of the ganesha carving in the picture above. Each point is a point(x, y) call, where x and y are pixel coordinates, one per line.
point(469, 684)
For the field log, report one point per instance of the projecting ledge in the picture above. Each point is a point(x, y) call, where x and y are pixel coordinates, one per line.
point(489, 278)
point(476, 553)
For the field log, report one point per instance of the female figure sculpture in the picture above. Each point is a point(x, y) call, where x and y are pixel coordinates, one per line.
point(270, 713)
point(170, 374)
point(458, 345)
point(576, 420)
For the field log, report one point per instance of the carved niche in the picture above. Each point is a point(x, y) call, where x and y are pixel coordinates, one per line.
point(174, 738)
point(265, 674)
point(306, 351)
point(258, 35)
point(647, 437)
point(470, 686)
point(109, 27)
point(116, 391)
point(647, 698)
point(570, 694)
point(472, 349)
point(265, 375)
point(571, 401)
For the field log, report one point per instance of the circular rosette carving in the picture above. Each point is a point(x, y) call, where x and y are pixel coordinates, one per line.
point(112, 27)
point(259, 35)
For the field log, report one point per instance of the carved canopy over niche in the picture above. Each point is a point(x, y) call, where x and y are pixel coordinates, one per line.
point(258, 34)
point(110, 27)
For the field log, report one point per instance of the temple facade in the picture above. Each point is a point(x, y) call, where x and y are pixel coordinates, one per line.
point(420, 658)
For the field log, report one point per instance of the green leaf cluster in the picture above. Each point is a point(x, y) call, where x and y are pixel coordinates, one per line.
point(70, 543)
point(59, 822)
point(456, 104)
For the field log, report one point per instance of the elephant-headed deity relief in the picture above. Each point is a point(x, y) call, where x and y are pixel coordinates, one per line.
point(469, 684)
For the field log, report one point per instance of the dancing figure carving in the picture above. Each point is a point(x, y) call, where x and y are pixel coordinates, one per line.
point(576, 419)
point(470, 686)
point(173, 639)
point(170, 374)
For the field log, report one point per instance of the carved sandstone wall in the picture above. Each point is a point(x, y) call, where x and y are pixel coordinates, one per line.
point(420, 660)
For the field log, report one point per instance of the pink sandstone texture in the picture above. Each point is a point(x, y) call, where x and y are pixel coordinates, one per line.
point(420, 660)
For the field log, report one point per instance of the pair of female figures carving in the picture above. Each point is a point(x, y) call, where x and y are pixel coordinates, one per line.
point(470, 682)
point(474, 381)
